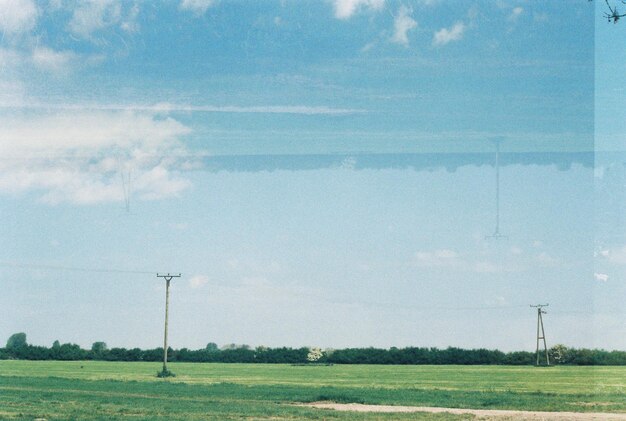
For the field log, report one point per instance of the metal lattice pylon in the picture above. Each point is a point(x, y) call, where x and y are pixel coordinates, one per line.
point(541, 334)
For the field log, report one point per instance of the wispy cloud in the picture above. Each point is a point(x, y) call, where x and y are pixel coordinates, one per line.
point(344, 9)
point(402, 24)
point(129, 24)
point(516, 13)
point(546, 259)
point(449, 259)
point(198, 281)
point(452, 260)
point(168, 107)
point(485, 267)
point(447, 35)
point(260, 289)
point(616, 256)
point(17, 16)
point(92, 15)
point(197, 7)
point(443, 257)
point(601, 277)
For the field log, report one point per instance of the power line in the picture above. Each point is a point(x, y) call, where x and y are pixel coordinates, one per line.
point(405, 306)
point(396, 305)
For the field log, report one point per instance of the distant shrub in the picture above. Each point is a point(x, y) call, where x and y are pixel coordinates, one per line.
point(165, 373)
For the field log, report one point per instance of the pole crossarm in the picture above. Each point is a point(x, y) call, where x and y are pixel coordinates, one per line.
point(168, 277)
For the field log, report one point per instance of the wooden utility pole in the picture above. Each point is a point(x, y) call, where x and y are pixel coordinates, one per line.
point(541, 334)
point(167, 278)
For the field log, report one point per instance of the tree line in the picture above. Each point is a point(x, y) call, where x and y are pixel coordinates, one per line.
point(18, 348)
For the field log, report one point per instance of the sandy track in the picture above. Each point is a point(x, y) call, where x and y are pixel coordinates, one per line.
point(499, 414)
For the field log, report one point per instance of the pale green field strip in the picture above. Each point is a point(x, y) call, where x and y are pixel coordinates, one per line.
point(488, 378)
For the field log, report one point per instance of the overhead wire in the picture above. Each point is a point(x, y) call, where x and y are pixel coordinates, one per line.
point(73, 269)
point(316, 297)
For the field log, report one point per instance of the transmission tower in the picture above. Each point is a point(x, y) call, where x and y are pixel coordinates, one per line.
point(541, 334)
point(167, 278)
point(127, 188)
point(126, 174)
point(496, 234)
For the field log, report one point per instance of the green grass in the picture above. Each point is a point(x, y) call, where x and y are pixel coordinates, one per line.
point(101, 390)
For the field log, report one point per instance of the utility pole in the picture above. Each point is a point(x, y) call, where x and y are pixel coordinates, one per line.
point(168, 278)
point(541, 334)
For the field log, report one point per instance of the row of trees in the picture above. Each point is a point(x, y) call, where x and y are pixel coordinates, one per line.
point(18, 348)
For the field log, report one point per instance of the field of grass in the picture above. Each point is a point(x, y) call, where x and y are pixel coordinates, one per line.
point(114, 390)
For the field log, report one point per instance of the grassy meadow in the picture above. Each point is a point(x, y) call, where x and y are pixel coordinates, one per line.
point(114, 390)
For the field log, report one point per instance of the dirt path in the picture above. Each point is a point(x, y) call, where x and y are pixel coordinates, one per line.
point(495, 414)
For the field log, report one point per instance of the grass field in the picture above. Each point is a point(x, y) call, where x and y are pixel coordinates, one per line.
point(102, 390)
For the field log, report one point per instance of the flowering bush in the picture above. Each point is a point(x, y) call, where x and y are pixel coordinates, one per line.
point(314, 355)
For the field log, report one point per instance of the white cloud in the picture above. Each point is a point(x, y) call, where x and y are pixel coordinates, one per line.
point(262, 289)
point(198, 281)
point(443, 257)
point(600, 252)
point(129, 24)
point(17, 16)
point(77, 156)
point(88, 130)
point(197, 7)
point(246, 266)
point(497, 301)
point(615, 256)
point(344, 9)
point(12, 87)
point(486, 267)
point(445, 35)
point(348, 163)
point(467, 262)
point(9, 58)
point(158, 183)
point(19, 65)
point(93, 15)
point(546, 260)
point(179, 226)
point(367, 47)
point(402, 24)
point(55, 61)
point(516, 13)
point(601, 277)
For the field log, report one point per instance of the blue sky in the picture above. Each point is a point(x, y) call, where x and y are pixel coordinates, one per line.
point(322, 173)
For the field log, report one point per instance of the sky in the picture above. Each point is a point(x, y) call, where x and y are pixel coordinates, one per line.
point(321, 173)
